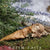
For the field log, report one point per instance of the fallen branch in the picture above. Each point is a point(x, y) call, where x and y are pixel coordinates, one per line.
point(36, 30)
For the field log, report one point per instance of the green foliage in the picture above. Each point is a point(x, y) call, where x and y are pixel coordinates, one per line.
point(24, 5)
point(10, 25)
point(9, 18)
point(29, 13)
point(6, 10)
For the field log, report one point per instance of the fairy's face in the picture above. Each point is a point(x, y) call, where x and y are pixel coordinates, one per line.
point(37, 27)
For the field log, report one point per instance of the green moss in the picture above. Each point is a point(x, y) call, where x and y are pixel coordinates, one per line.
point(33, 43)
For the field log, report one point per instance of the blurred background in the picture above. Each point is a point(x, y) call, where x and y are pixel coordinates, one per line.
point(34, 5)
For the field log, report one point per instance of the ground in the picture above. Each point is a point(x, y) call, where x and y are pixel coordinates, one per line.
point(42, 43)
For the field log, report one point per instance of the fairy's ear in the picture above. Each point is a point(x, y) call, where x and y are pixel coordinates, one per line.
point(35, 24)
point(32, 23)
